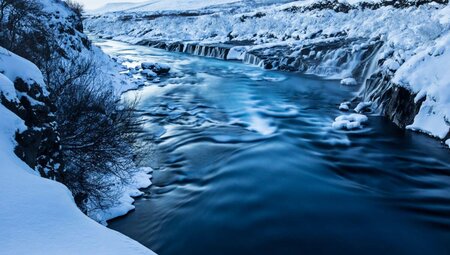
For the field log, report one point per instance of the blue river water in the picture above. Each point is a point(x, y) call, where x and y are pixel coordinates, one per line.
point(246, 162)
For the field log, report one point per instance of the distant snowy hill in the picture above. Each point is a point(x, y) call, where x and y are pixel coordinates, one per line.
point(176, 5)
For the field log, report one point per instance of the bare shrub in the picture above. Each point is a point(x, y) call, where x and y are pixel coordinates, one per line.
point(77, 7)
point(97, 132)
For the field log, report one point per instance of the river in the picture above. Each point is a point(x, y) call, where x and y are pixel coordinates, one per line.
point(246, 162)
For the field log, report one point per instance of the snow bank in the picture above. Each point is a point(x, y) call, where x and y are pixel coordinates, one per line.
point(13, 67)
point(39, 216)
point(140, 180)
point(427, 74)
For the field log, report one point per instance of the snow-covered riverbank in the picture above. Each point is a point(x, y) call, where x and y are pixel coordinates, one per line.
point(398, 45)
point(39, 216)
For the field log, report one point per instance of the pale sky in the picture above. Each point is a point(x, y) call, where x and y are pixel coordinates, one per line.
point(94, 4)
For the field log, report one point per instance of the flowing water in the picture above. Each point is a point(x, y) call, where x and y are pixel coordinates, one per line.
point(246, 162)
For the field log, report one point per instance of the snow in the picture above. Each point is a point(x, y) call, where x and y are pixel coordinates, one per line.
point(345, 106)
point(149, 73)
point(427, 74)
point(349, 82)
point(448, 142)
point(158, 68)
point(13, 67)
point(362, 106)
point(7, 88)
point(39, 216)
point(349, 122)
point(158, 5)
point(140, 180)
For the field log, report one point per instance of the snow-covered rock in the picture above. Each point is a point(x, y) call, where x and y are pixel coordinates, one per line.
point(149, 73)
point(349, 82)
point(158, 68)
point(25, 94)
point(22, 91)
point(362, 106)
point(427, 75)
point(345, 106)
point(349, 122)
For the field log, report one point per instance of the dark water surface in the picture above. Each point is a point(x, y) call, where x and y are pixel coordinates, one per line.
point(246, 162)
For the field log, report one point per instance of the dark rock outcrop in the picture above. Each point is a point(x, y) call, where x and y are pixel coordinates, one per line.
point(38, 146)
point(395, 102)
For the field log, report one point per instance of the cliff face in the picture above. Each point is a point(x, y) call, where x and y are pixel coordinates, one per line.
point(375, 44)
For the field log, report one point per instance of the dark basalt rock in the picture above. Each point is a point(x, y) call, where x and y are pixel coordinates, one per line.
point(219, 51)
point(393, 101)
point(337, 6)
point(38, 146)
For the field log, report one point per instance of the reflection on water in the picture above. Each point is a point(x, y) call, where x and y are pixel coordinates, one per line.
point(247, 163)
